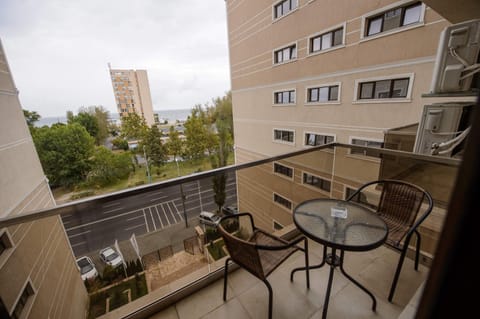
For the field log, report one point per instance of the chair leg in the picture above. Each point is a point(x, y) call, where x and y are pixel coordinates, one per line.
point(397, 271)
point(270, 298)
point(225, 272)
point(417, 253)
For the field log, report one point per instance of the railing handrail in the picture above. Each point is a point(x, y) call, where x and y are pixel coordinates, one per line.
point(81, 204)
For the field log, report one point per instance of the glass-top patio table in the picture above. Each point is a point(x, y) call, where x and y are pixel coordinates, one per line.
point(343, 226)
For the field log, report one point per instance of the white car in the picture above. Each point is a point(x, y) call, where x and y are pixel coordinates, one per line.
point(111, 257)
point(208, 218)
point(87, 268)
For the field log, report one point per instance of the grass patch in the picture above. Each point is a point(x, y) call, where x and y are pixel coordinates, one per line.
point(118, 297)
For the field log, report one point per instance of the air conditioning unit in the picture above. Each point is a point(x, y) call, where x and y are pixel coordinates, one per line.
point(457, 58)
point(443, 128)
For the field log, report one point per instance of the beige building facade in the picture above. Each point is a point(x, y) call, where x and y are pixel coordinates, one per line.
point(132, 93)
point(38, 273)
point(308, 72)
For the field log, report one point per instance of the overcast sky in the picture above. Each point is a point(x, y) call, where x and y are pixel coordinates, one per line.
point(58, 50)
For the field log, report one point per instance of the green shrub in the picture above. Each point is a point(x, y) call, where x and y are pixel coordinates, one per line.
point(82, 194)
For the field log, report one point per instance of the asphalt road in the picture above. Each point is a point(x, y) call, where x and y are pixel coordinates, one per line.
point(98, 227)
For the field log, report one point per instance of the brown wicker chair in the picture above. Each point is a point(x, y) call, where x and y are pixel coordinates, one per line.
point(255, 250)
point(399, 206)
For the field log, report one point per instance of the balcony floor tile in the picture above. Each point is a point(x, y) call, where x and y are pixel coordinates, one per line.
point(248, 297)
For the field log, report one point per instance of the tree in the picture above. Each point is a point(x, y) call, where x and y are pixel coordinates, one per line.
point(120, 143)
point(154, 149)
point(95, 121)
point(200, 137)
point(64, 151)
point(108, 167)
point(174, 144)
point(31, 117)
point(133, 126)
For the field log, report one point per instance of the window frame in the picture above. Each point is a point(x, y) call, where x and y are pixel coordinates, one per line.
point(403, 4)
point(283, 141)
point(366, 139)
point(274, 102)
point(310, 38)
point(274, 221)
point(280, 204)
point(318, 134)
point(9, 246)
point(407, 98)
point(274, 18)
point(290, 45)
point(27, 305)
point(280, 173)
point(329, 102)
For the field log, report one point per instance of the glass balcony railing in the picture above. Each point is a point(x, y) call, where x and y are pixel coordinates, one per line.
point(167, 250)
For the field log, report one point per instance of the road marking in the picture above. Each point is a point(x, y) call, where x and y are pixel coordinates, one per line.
point(153, 221)
point(133, 227)
point(111, 204)
point(178, 212)
point(65, 222)
point(158, 198)
point(153, 194)
point(80, 243)
point(112, 210)
point(133, 218)
point(102, 220)
point(171, 210)
point(79, 234)
point(146, 224)
point(158, 214)
point(165, 214)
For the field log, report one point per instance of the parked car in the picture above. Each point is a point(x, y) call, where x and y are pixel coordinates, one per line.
point(110, 257)
point(208, 218)
point(87, 268)
point(230, 209)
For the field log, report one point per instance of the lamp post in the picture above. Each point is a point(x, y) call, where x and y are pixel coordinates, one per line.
point(183, 195)
point(148, 168)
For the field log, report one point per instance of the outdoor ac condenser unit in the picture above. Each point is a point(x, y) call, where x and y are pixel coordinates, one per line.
point(457, 58)
point(443, 127)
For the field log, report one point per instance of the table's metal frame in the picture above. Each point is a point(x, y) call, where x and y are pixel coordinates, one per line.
point(335, 260)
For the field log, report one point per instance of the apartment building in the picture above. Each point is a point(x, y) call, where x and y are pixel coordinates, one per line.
point(132, 93)
point(38, 273)
point(308, 72)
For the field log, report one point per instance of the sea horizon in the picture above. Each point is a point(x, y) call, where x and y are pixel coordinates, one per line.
point(171, 115)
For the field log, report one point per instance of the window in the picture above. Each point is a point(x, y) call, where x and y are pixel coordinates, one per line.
point(5, 242)
point(284, 97)
point(22, 301)
point(322, 94)
point(284, 7)
point(369, 143)
point(284, 135)
point(277, 225)
point(283, 170)
point(326, 40)
point(384, 89)
point(312, 139)
point(394, 19)
point(282, 201)
point(285, 54)
point(316, 181)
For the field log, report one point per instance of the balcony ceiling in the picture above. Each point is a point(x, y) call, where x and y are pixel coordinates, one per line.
point(456, 11)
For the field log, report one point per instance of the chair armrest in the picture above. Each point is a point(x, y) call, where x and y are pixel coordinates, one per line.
point(284, 243)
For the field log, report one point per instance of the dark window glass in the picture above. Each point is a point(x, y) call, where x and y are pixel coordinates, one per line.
point(384, 89)
point(22, 301)
point(323, 94)
point(277, 226)
point(317, 139)
point(333, 93)
point(286, 136)
point(285, 54)
point(326, 40)
point(394, 18)
point(316, 181)
point(282, 201)
point(284, 170)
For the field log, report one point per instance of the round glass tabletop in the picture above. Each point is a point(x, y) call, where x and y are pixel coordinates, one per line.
point(340, 224)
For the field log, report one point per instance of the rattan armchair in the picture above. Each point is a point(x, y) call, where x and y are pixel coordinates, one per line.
point(255, 250)
point(399, 206)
